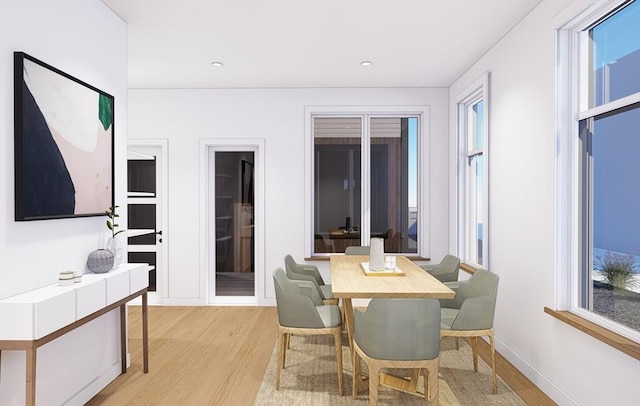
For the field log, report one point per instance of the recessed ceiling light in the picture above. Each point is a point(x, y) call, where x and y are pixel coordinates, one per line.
point(216, 64)
point(366, 63)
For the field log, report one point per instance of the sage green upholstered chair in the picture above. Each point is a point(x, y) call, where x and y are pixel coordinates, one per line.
point(301, 311)
point(470, 313)
point(309, 273)
point(398, 333)
point(447, 270)
point(357, 250)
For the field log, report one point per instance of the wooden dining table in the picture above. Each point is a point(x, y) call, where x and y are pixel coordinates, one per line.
point(349, 281)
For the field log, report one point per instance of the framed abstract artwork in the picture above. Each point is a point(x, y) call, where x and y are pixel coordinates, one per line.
point(64, 140)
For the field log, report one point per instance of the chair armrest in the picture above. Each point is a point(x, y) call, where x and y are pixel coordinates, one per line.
point(457, 301)
point(476, 313)
point(312, 271)
point(308, 289)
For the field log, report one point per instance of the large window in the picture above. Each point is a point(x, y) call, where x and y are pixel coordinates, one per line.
point(472, 136)
point(600, 243)
point(365, 181)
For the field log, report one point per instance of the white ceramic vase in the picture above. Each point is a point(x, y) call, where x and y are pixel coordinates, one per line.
point(376, 254)
point(115, 247)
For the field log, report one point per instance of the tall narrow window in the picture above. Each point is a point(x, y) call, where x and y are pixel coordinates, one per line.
point(599, 197)
point(609, 170)
point(365, 182)
point(472, 188)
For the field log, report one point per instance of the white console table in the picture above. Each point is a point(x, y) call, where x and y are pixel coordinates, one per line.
point(34, 318)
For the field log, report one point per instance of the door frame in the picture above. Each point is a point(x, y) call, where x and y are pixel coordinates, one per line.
point(207, 270)
point(163, 275)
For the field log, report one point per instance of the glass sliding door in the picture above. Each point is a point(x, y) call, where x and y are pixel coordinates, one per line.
point(365, 182)
point(337, 183)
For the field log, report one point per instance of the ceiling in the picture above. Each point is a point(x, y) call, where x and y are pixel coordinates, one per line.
point(309, 43)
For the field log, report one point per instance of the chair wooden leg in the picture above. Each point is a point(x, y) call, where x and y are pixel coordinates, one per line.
point(285, 346)
point(415, 374)
point(374, 383)
point(493, 363)
point(474, 349)
point(280, 363)
point(427, 389)
point(357, 372)
point(457, 343)
point(431, 384)
point(288, 336)
point(337, 337)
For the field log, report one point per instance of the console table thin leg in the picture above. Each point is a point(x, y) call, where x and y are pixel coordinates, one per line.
point(145, 333)
point(31, 377)
point(123, 337)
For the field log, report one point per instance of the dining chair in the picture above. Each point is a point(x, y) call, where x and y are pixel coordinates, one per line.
point(398, 333)
point(301, 311)
point(357, 250)
point(309, 273)
point(470, 313)
point(446, 271)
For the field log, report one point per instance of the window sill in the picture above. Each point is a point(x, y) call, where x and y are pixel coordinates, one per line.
point(598, 332)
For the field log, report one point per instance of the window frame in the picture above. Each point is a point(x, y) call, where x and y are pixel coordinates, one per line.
point(477, 91)
point(366, 112)
point(572, 187)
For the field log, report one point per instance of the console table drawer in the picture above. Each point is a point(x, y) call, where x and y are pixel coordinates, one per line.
point(90, 297)
point(35, 314)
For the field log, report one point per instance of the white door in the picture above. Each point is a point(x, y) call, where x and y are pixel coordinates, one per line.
point(146, 210)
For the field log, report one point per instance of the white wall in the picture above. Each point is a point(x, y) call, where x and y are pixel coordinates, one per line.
point(570, 366)
point(186, 116)
point(86, 40)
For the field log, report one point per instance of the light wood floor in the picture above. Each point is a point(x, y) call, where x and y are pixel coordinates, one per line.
point(218, 355)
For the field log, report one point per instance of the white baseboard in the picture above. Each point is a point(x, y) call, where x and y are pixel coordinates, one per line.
point(538, 379)
point(94, 387)
point(183, 301)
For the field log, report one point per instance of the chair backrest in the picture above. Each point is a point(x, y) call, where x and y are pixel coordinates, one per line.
point(294, 271)
point(399, 329)
point(296, 301)
point(450, 262)
point(477, 299)
point(448, 269)
point(357, 250)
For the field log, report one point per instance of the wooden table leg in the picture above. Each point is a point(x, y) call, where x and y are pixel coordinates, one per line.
point(145, 333)
point(123, 337)
point(347, 308)
point(31, 377)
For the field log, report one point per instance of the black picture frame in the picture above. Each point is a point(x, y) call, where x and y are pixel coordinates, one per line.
point(64, 144)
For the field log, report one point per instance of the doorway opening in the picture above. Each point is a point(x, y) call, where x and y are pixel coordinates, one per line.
point(234, 237)
point(233, 246)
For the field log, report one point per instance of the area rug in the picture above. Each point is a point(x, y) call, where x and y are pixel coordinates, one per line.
point(310, 378)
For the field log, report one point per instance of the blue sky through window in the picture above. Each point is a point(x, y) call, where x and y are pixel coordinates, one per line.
point(617, 36)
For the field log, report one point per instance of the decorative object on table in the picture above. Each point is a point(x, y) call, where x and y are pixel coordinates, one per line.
point(390, 262)
point(100, 261)
point(65, 278)
point(376, 254)
point(64, 130)
point(395, 271)
point(113, 244)
point(77, 276)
